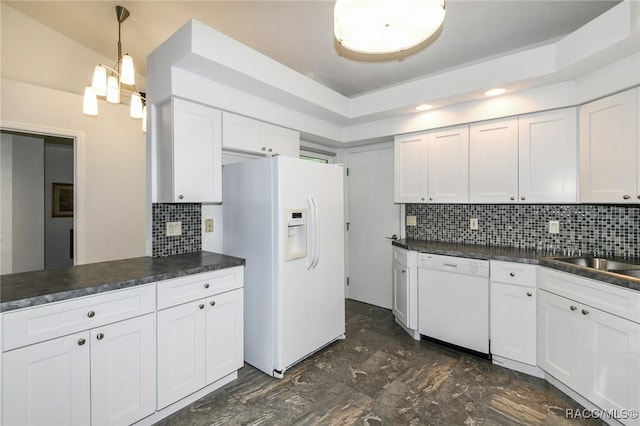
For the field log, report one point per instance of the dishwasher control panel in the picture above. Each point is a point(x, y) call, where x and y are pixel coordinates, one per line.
point(459, 265)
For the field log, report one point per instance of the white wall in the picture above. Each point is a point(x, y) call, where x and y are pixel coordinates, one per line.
point(40, 68)
point(58, 168)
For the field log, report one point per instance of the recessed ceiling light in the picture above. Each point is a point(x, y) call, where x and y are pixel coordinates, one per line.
point(424, 107)
point(495, 92)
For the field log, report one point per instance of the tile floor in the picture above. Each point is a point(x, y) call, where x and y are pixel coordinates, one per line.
point(378, 375)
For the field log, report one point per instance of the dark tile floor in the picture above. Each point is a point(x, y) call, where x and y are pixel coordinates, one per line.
point(378, 375)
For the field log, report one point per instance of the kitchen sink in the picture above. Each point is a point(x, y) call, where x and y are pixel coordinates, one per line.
point(602, 264)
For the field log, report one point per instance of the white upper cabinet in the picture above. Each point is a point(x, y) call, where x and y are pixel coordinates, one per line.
point(247, 135)
point(548, 156)
point(493, 161)
point(410, 168)
point(448, 165)
point(188, 153)
point(609, 158)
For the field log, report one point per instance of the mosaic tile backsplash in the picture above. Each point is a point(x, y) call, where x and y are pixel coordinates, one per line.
point(191, 239)
point(590, 229)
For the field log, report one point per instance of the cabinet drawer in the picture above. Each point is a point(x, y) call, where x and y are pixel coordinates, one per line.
point(193, 287)
point(32, 325)
point(400, 255)
point(597, 294)
point(513, 273)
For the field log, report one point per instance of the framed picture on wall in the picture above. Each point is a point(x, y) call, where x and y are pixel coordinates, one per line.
point(62, 200)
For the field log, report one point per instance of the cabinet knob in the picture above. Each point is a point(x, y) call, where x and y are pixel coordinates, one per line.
point(206, 285)
point(638, 196)
point(264, 148)
point(430, 198)
point(100, 336)
point(626, 197)
point(422, 198)
point(512, 274)
point(180, 196)
point(270, 150)
point(529, 294)
point(212, 303)
point(573, 308)
point(512, 198)
point(81, 341)
point(523, 198)
point(91, 314)
point(585, 312)
point(404, 271)
point(201, 306)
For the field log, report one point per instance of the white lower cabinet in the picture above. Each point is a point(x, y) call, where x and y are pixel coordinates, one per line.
point(595, 353)
point(105, 376)
point(198, 343)
point(404, 275)
point(400, 292)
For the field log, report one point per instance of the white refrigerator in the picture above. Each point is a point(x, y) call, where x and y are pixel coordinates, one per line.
point(285, 216)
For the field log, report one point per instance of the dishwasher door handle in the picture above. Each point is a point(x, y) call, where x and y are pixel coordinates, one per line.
point(450, 265)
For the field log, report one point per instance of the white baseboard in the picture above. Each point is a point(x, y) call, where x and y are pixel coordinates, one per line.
point(415, 334)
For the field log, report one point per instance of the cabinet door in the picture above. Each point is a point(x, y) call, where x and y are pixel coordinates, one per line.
point(197, 155)
point(283, 141)
point(493, 161)
point(513, 322)
point(400, 292)
point(410, 168)
point(243, 134)
point(548, 151)
point(608, 149)
point(610, 360)
point(449, 165)
point(559, 338)
point(225, 335)
point(123, 371)
point(48, 383)
point(181, 346)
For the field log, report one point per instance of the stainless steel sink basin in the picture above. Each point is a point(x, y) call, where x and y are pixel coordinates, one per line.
point(602, 264)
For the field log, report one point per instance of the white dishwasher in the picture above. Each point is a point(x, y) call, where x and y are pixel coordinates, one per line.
point(453, 301)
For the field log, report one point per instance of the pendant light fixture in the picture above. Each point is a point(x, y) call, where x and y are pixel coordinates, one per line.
point(386, 26)
point(112, 83)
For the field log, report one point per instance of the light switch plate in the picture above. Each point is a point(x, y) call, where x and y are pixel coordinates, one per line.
point(554, 227)
point(174, 229)
point(412, 221)
point(473, 223)
point(208, 225)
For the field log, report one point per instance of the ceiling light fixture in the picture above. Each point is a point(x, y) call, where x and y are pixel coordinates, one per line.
point(495, 92)
point(112, 83)
point(386, 26)
point(424, 107)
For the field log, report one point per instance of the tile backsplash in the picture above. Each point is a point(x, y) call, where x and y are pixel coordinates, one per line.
point(191, 239)
point(601, 229)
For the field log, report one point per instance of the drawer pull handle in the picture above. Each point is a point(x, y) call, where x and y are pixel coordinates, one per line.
point(573, 308)
point(81, 341)
point(201, 306)
point(585, 312)
point(529, 294)
point(212, 303)
point(91, 314)
point(206, 285)
point(512, 274)
point(100, 336)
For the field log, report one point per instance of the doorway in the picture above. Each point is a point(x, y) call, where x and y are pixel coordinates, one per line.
point(372, 218)
point(38, 202)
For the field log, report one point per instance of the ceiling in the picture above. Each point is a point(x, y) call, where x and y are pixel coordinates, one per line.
point(299, 34)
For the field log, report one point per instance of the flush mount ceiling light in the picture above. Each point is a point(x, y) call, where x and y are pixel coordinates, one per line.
point(386, 26)
point(112, 83)
point(424, 107)
point(495, 92)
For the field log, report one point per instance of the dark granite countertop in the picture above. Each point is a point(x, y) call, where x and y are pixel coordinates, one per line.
point(39, 287)
point(511, 254)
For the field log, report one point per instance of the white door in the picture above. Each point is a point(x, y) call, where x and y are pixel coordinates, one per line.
point(181, 346)
point(48, 383)
point(224, 348)
point(123, 371)
point(372, 217)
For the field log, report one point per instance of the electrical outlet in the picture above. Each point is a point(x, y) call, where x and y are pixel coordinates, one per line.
point(208, 225)
point(412, 221)
point(473, 223)
point(554, 227)
point(174, 229)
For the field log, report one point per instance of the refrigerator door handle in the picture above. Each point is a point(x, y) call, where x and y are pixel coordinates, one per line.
point(313, 233)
